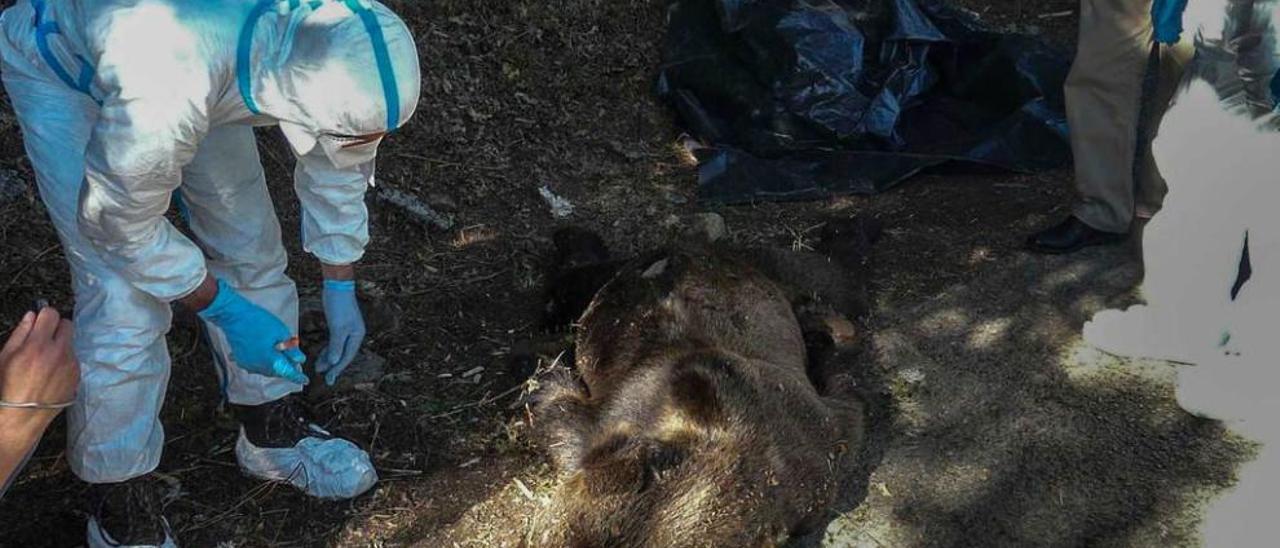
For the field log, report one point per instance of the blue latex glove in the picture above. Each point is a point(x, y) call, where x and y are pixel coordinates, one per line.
point(346, 328)
point(253, 334)
point(1166, 15)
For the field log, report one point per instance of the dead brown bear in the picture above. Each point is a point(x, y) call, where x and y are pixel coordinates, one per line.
point(703, 410)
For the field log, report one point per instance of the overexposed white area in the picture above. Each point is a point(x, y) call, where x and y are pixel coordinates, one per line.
point(1223, 171)
point(1223, 179)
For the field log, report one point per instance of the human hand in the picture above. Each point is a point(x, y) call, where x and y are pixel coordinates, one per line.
point(38, 366)
point(346, 328)
point(259, 340)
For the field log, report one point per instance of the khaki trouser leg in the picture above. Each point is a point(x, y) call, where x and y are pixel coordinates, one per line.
point(1151, 185)
point(1104, 107)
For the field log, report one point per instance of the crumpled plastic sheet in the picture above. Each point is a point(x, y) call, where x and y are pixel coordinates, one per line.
point(801, 99)
point(323, 467)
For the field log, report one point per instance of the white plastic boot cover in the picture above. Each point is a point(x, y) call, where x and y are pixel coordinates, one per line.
point(326, 468)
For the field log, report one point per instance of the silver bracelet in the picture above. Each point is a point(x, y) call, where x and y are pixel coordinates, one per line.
point(41, 406)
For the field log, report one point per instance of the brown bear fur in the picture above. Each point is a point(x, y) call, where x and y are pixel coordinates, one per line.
point(701, 412)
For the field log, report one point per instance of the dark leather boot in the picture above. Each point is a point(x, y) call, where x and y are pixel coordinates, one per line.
point(1070, 236)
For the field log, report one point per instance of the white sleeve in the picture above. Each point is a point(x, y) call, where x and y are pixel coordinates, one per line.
point(335, 220)
point(153, 116)
point(133, 164)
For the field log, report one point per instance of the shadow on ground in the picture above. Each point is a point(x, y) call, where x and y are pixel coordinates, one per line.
point(1006, 434)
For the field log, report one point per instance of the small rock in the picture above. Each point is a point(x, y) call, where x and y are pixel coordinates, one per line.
point(677, 199)
point(709, 227)
point(560, 207)
point(364, 373)
point(366, 368)
point(671, 221)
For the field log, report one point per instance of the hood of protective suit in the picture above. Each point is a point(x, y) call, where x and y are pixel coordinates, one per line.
point(328, 69)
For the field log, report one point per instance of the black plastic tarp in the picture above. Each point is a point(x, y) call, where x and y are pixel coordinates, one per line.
point(800, 99)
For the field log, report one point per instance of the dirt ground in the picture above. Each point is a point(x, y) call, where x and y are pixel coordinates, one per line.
point(995, 431)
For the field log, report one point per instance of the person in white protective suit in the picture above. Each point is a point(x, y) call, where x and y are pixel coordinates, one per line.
point(1212, 255)
point(129, 106)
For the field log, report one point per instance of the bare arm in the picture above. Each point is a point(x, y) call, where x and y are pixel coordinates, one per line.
point(338, 272)
point(202, 296)
point(37, 367)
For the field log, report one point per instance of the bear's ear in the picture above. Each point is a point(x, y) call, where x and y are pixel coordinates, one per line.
point(705, 388)
point(626, 464)
point(693, 398)
point(613, 466)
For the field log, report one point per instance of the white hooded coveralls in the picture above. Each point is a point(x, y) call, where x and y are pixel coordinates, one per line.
point(122, 104)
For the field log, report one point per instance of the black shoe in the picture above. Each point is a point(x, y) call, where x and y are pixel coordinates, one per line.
point(280, 424)
point(130, 513)
point(1070, 236)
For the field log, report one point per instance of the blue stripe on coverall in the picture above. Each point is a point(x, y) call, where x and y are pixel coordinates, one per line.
point(43, 29)
point(382, 57)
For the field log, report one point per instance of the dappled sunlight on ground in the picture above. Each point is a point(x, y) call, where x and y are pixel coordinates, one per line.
point(1006, 433)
